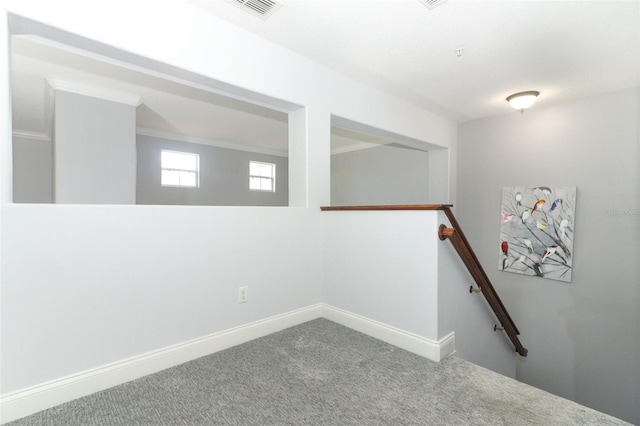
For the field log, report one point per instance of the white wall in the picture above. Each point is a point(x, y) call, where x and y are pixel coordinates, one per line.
point(124, 281)
point(101, 278)
point(94, 146)
point(375, 266)
point(391, 267)
point(6, 132)
point(583, 337)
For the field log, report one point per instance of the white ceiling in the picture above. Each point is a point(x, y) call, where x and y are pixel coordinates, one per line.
point(564, 49)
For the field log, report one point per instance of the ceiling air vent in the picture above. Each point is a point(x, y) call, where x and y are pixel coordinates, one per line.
point(261, 8)
point(432, 4)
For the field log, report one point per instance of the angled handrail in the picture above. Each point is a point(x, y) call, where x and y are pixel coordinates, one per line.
point(462, 246)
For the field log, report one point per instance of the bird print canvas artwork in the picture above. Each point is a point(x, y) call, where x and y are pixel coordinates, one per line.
point(539, 241)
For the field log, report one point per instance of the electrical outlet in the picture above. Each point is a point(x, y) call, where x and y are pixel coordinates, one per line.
point(243, 294)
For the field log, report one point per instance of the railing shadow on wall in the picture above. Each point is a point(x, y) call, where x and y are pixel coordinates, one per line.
point(462, 246)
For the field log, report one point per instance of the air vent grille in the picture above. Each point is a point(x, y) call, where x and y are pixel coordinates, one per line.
point(431, 4)
point(261, 8)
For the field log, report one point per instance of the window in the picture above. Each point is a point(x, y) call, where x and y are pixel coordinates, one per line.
point(180, 169)
point(262, 176)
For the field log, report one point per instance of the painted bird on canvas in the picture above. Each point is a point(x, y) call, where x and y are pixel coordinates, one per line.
point(538, 269)
point(541, 225)
point(548, 252)
point(545, 189)
point(505, 248)
point(525, 215)
point(564, 224)
point(539, 205)
point(519, 198)
point(528, 243)
point(506, 217)
point(556, 204)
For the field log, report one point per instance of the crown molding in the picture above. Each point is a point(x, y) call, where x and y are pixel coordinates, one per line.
point(31, 135)
point(144, 131)
point(70, 86)
point(357, 147)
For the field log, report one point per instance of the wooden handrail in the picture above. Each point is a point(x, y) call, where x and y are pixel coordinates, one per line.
point(462, 246)
point(389, 207)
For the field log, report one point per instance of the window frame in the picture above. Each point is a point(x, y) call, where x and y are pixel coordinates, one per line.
point(195, 171)
point(271, 178)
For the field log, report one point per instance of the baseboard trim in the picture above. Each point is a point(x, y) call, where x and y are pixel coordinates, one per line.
point(28, 401)
point(430, 349)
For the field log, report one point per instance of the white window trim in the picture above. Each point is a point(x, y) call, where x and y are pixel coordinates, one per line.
point(272, 178)
point(196, 171)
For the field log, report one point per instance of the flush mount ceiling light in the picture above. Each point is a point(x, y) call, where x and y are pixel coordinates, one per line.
point(522, 100)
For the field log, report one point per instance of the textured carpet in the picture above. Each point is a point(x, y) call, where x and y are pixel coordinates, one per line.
point(320, 373)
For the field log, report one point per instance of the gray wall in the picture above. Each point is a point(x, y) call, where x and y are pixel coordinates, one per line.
point(389, 174)
point(224, 176)
point(583, 337)
point(31, 170)
point(94, 150)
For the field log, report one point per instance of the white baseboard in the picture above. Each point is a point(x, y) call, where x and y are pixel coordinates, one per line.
point(430, 349)
point(28, 401)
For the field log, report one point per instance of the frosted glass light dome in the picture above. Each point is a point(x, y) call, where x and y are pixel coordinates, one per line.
point(522, 100)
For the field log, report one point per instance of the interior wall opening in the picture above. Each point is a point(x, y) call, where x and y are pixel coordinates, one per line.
point(90, 128)
point(372, 167)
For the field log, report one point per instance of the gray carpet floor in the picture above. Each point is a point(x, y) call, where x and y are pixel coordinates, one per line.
point(320, 373)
